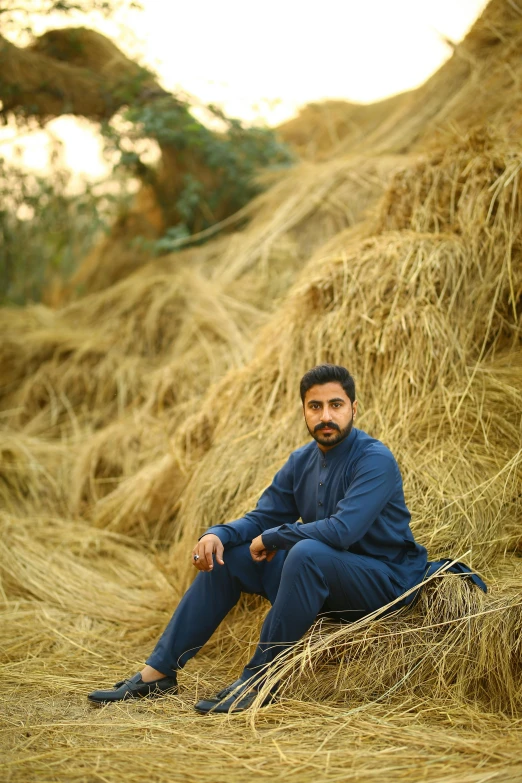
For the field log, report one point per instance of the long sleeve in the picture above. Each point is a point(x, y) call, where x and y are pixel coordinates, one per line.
point(374, 483)
point(276, 506)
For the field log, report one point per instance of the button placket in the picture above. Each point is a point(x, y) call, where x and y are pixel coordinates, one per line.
point(320, 493)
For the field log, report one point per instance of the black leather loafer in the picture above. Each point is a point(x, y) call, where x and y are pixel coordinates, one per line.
point(135, 688)
point(236, 697)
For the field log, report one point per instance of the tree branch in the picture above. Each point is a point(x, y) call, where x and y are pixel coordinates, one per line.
point(71, 71)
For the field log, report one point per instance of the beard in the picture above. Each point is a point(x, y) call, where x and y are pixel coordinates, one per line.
point(330, 440)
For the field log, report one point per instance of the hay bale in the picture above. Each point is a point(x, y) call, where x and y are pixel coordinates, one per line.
point(319, 129)
point(145, 502)
point(455, 644)
point(114, 453)
point(33, 473)
point(475, 88)
point(80, 570)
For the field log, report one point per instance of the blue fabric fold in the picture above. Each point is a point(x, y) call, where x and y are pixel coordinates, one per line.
point(455, 568)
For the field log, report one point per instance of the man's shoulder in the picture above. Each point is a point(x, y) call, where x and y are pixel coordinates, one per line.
point(303, 456)
point(304, 451)
point(369, 446)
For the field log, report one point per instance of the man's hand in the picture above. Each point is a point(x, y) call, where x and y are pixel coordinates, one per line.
point(206, 547)
point(258, 551)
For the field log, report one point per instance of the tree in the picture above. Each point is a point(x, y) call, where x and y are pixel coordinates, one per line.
point(202, 176)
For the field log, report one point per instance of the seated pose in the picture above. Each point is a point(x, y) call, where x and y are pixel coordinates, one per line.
point(352, 553)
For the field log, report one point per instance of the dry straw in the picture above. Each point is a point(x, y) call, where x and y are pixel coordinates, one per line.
point(138, 415)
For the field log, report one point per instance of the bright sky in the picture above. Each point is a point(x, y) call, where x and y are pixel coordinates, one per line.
point(265, 60)
point(299, 50)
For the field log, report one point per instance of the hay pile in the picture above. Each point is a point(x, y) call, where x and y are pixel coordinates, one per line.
point(137, 416)
point(320, 128)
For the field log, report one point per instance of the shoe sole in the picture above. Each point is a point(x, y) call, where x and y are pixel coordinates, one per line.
point(213, 711)
point(152, 695)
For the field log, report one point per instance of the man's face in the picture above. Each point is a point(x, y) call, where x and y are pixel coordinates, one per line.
point(329, 414)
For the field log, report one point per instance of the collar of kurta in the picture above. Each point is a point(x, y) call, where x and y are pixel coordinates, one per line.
point(341, 450)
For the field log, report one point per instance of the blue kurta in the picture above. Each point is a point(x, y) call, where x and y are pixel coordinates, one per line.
point(352, 554)
point(350, 498)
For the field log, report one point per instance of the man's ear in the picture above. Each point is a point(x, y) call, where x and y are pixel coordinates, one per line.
point(354, 409)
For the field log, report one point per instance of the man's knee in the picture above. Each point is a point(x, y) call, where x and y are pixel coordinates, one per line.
point(305, 551)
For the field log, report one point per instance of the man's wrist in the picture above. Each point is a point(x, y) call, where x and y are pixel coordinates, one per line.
point(222, 534)
point(269, 540)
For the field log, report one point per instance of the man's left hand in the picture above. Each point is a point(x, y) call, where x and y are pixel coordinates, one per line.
point(258, 551)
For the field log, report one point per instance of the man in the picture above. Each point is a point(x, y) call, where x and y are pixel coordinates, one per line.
point(352, 553)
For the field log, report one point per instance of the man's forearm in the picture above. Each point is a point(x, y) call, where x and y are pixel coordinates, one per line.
point(285, 536)
point(241, 531)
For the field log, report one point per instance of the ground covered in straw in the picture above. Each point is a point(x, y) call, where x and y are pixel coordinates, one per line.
point(136, 416)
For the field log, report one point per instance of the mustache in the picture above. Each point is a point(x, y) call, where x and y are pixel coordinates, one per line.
point(330, 424)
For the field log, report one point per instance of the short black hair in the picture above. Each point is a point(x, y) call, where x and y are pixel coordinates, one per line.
point(328, 373)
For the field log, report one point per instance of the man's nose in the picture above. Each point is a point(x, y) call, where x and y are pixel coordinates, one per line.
point(325, 415)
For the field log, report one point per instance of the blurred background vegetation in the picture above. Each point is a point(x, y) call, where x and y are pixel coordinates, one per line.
point(45, 229)
point(201, 167)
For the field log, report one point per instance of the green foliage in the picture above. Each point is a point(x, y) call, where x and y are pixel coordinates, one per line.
point(44, 230)
point(235, 152)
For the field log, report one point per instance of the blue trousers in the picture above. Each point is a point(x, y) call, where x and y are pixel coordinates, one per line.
point(310, 579)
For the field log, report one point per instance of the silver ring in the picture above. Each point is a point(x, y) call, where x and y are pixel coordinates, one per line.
point(196, 557)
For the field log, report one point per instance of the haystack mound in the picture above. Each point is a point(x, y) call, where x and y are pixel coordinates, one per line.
point(477, 86)
point(135, 417)
point(320, 128)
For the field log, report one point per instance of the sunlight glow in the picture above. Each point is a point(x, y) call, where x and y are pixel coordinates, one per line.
point(262, 62)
